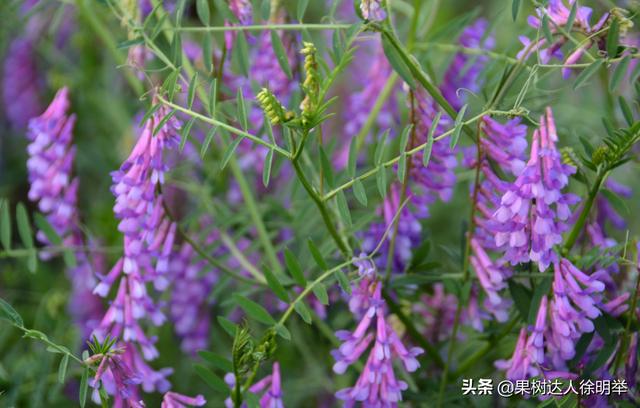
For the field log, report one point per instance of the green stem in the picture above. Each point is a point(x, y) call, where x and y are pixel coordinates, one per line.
point(577, 228)
point(266, 27)
point(377, 106)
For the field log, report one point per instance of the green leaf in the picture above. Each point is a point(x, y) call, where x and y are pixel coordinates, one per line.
point(426, 154)
point(572, 17)
point(212, 97)
point(397, 62)
point(608, 126)
point(24, 226)
point(11, 311)
point(321, 293)
point(587, 73)
point(404, 140)
point(163, 122)
point(84, 384)
point(546, 28)
point(619, 73)
point(62, 369)
point(158, 27)
point(420, 254)
point(207, 141)
point(581, 347)
point(243, 53)
point(230, 150)
point(281, 53)
point(317, 256)
point(588, 147)
point(302, 311)
point(211, 379)
point(626, 111)
point(515, 8)
point(612, 38)
point(353, 156)
point(358, 190)
point(614, 200)
point(380, 148)
point(251, 399)
point(253, 309)
point(541, 290)
point(520, 297)
point(343, 282)
point(225, 11)
point(176, 49)
point(150, 113)
point(381, 178)
point(275, 285)
point(129, 43)
point(185, 133)
point(171, 82)
point(635, 74)
point(32, 261)
point(602, 328)
point(266, 172)
point(202, 7)
point(458, 125)
point(343, 207)
point(207, 52)
point(326, 167)
point(228, 326)
point(268, 129)
point(338, 49)
point(402, 167)
point(352, 30)
point(302, 7)
point(242, 113)
point(222, 363)
point(282, 331)
point(265, 10)
point(294, 267)
point(603, 356)
point(192, 88)
point(5, 225)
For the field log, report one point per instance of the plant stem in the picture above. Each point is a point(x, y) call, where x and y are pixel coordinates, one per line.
point(265, 27)
point(632, 311)
point(577, 228)
point(383, 97)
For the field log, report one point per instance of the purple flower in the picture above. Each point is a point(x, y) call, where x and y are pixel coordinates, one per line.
point(272, 397)
point(519, 366)
point(365, 267)
point(437, 313)
point(243, 10)
point(535, 343)
point(123, 375)
point(175, 400)
point(371, 10)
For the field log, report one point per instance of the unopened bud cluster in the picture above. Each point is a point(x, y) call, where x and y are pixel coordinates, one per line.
point(568, 157)
point(600, 155)
point(272, 107)
point(310, 83)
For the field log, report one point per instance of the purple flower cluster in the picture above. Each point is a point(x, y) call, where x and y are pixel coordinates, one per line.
point(541, 180)
point(464, 71)
point(20, 83)
point(244, 12)
point(272, 397)
point(377, 385)
point(558, 15)
point(174, 400)
point(438, 313)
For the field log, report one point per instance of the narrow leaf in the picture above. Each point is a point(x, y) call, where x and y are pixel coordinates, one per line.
point(212, 97)
point(343, 207)
point(158, 27)
point(426, 154)
point(222, 363)
point(253, 309)
point(32, 261)
point(614, 200)
point(211, 379)
point(207, 141)
point(515, 8)
point(321, 293)
point(520, 297)
point(581, 346)
point(603, 356)
point(612, 38)
point(251, 399)
point(230, 150)
point(202, 7)
point(402, 167)
point(404, 140)
point(301, 309)
point(228, 326)
point(397, 62)
point(192, 89)
point(338, 50)
point(282, 331)
point(380, 148)
point(225, 11)
point(358, 190)
point(129, 43)
point(266, 172)
point(572, 16)
point(281, 53)
point(163, 122)
point(302, 7)
point(150, 113)
point(294, 267)
point(458, 126)
point(343, 282)
point(275, 285)
point(11, 311)
point(587, 73)
point(24, 228)
point(381, 178)
point(62, 369)
point(243, 53)
point(265, 9)
point(326, 167)
point(5, 225)
point(353, 156)
point(317, 256)
point(635, 74)
point(207, 55)
point(608, 126)
point(84, 384)
point(268, 129)
point(619, 73)
point(242, 114)
point(588, 147)
point(626, 111)
point(185, 132)
point(546, 28)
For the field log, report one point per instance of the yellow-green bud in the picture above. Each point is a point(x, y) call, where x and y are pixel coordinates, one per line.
point(600, 155)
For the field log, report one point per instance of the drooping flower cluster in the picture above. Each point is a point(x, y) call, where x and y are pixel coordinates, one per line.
point(558, 15)
point(377, 385)
point(464, 70)
point(148, 236)
point(50, 170)
point(541, 180)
